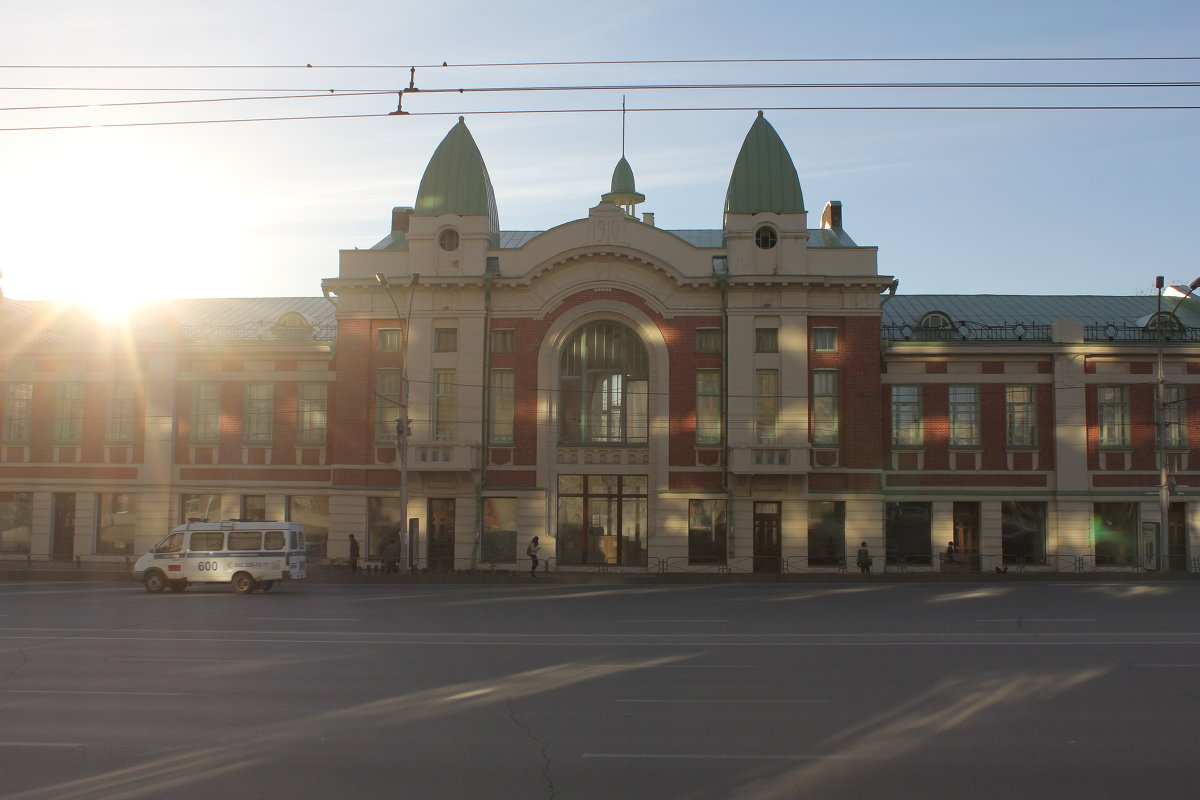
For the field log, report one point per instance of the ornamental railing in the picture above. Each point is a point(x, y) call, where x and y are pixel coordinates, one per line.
point(1113, 332)
point(967, 331)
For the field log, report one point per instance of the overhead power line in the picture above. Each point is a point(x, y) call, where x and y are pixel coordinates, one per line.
point(607, 111)
point(630, 62)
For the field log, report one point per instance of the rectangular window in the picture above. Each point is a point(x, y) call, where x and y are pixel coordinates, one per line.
point(824, 340)
point(258, 412)
point(199, 507)
point(504, 340)
point(766, 406)
point(312, 402)
point(245, 540)
point(445, 404)
point(16, 521)
point(498, 541)
point(826, 533)
point(766, 340)
point(206, 412)
point(504, 410)
point(964, 416)
point(707, 532)
point(907, 533)
point(311, 511)
point(825, 406)
point(1112, 405)
point(121, 413)
point(1020, 416)
point(388, 388)
point(18, 412)
point(1023, 532)
point(68, 412)
point(445, 340)
point(1116, 532)
point(708, 340)
point(907, 429)
point(389, 340)
point(254, 507)
point(116, 525)
point(385, 528)
point(1174, 416)
point(708, 406)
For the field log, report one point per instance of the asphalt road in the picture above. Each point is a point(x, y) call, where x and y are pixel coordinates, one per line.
point(974, 690)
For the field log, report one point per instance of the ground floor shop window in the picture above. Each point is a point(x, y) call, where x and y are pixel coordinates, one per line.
point(385, 525)
point(116, 523)
point(498, 541)
point(16, 513)
point(254, 508)
point(311, 511)
point(200, 508)
point(907, 533)
point(1023, 532)
point(1115, 526)
point(826, 533)
point(708, 531)
point(602, 519)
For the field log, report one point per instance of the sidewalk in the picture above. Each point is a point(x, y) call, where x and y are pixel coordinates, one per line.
point(14, 570)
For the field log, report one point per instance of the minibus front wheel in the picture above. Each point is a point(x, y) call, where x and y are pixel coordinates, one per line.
point(154, 581)
point(243, 583)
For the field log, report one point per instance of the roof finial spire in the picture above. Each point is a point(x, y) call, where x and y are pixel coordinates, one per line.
point(622, 126)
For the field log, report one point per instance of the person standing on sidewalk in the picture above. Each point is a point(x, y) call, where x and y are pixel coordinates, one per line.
point(532, 552)
point(864, 559)
point(354, 553)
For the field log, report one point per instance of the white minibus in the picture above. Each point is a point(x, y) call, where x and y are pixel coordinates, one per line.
point(247, 555)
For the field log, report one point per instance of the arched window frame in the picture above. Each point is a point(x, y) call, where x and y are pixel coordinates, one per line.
point(603, 382)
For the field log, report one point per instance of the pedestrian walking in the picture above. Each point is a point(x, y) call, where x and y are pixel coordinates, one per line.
point(354, 553)
point(532, 552)
point(864, 559)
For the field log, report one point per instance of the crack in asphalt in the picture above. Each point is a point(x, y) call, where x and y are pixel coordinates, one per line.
point(545, 747)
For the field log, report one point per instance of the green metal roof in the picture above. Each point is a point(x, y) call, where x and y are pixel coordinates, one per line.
point(624, 191)
point(456, 180)
point(764, 177)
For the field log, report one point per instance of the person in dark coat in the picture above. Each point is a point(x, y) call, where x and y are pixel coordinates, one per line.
point(532, 552)
point(864, 559)
point(354, 554)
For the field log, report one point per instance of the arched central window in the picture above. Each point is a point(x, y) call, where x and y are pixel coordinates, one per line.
point(603, 380)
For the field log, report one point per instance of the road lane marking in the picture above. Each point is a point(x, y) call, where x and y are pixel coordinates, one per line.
point(305, 619)
point(672, 621)
point(722, 756)
point(1167, 665)
point(720, 701)
point(1036, 619)
point(72, 691)
point(40, 744)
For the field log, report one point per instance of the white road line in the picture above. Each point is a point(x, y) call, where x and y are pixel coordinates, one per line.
point(69, 691)
point(672, 621)
point(1036, 619)
point(1167, 665)
point(725, 701)
point(305, 619)
point(40, 744)
point(724, 756)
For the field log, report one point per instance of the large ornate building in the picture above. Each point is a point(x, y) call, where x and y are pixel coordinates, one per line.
point(749, 398)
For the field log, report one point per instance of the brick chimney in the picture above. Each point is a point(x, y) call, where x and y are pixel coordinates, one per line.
point(400, 217)
point(831, 217)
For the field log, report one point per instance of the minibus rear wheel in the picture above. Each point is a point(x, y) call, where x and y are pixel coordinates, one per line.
point(154, 581)
point(243, 583)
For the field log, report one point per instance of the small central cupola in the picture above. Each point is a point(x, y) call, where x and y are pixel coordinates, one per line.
point(624, 191)
point(766, 225)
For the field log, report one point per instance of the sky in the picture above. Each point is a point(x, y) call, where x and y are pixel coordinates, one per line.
point(958, 202)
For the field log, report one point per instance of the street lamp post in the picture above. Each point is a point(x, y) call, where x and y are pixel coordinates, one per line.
point(403, 423)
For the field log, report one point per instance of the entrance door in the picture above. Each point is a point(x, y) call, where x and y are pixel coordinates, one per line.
point(966, 534)
point(64, 525)
point(768, 547)
point(1177, 537)
point(441, 534)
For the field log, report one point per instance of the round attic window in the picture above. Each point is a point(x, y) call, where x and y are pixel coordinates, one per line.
point(448, 240)
point(765, 238)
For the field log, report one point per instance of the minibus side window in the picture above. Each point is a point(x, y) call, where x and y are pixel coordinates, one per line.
point(208, 540)
point(171, 544)
point(274, 540)
point(245, 540)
